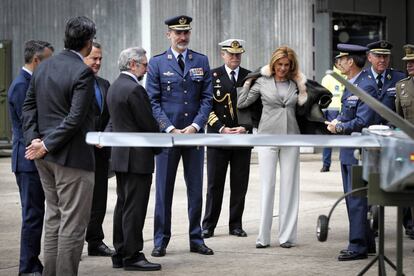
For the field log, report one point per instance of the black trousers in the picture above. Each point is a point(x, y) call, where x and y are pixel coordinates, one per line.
point(94, 232)
point(218, 160)
point(133, 192)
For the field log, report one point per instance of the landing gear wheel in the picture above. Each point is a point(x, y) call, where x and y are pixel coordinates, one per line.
point(322, 228)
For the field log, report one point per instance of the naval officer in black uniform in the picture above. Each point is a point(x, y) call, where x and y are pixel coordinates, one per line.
point(224, 119)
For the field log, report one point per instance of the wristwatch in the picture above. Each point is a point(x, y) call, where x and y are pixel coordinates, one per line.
point(339, 128)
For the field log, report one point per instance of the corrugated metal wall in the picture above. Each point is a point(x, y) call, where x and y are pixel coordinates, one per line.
point(264, 24)
point(118, 24)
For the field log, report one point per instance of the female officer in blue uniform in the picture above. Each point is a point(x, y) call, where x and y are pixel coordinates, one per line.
point(180, 90)
point(354, 116)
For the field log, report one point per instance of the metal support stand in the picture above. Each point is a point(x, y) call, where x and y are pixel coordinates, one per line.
point(380, 257)
point(376, 196)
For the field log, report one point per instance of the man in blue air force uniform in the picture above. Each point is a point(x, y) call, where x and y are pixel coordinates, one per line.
point(379, 56)
point(180, 90)
point(354, 116)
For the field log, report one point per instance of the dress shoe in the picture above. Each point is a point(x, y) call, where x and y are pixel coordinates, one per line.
point(238, 232)
point(141, 264)
point(371, 251)
point(324, 169)
point(352, 256)
point(100, 250)
point(159, 251)
point(201, 249)
point(117, 261)
point(286, 245)
point(259, 245)
point(207, 233)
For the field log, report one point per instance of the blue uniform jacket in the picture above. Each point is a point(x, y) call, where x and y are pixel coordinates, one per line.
point(387, 95)
point(16, 96)
point(355, 114)
point(179, 99)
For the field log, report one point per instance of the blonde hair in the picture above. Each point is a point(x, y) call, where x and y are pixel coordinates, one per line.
point(285, 52)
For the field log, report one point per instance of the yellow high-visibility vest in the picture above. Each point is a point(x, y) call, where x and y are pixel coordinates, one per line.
point(336, 89)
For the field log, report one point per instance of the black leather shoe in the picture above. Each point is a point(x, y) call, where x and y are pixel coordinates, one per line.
point(259, 245)
point(117, 261)
point(100, 250)
point(324, 169)
point(286, 245)
point(141, 264)
point(371, 251)
point(159, 251)
point(352, 256)
point(207, 233)
point(201, 249)
point(238, 232)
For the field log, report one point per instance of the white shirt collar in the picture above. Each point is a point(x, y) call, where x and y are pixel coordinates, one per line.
point(355, 77)
point(77, 53)
point(131, 75)
point(375, 74)
point(175, 53)
point(27, 70)
point(236, 71)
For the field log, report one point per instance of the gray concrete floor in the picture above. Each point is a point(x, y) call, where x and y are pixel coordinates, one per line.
point(233, 255)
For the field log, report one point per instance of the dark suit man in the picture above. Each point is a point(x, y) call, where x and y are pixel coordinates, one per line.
point(57, 114)
point(94, 232)
point(179, 86)
point(32, 197)
point(224, 119)
point(130, 111)
point(354, 116)
point(379, 56)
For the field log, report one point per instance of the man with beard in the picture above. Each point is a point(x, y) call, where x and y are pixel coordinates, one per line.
point(224, 118)
point(179, 86)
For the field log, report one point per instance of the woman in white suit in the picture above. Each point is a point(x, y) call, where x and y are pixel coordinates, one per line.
point(281, 87)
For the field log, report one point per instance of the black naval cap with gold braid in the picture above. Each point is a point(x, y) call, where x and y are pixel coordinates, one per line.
point(179, 23)
point(381, 47)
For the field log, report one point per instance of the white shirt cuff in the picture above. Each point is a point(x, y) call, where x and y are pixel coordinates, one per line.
point(196, 126)
point(169, 129)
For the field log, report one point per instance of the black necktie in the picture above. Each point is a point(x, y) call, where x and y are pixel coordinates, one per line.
point(181, 62)
point(379, 82)
point(233, 79)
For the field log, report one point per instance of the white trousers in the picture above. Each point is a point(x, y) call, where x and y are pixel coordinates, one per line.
point(288, 158)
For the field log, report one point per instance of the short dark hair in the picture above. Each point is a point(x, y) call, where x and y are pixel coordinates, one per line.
point(359, 60)
point(35, 47)
point(79, 30)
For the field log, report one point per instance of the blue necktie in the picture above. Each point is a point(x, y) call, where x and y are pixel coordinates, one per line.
point(98, 95)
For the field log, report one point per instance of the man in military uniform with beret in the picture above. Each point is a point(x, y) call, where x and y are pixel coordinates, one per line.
point(354, 116)
point(379, 56)
point(224, 119)
point(179, 87)
point(404, 104)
